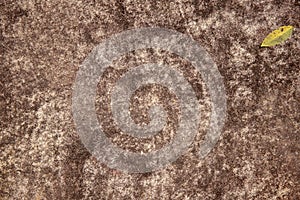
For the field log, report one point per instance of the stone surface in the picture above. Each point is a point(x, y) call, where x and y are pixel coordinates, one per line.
point(42, 45)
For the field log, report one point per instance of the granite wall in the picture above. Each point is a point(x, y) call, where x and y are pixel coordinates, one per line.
point(42, 44)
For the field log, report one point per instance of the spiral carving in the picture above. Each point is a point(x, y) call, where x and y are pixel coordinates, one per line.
point(84, 95)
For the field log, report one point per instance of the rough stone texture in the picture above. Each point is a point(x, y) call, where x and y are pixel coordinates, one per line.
point(41, 47)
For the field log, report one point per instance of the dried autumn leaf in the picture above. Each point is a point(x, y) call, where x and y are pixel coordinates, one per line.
point(277, 36)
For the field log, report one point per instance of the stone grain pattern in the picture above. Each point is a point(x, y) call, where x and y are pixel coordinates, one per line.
point(42, 44)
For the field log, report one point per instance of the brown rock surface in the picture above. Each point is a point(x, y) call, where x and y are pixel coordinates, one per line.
point(42, 44)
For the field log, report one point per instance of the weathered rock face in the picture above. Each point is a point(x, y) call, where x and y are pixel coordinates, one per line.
point(42, 46)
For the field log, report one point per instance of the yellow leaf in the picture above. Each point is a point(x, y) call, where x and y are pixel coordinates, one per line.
point(277, 36)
